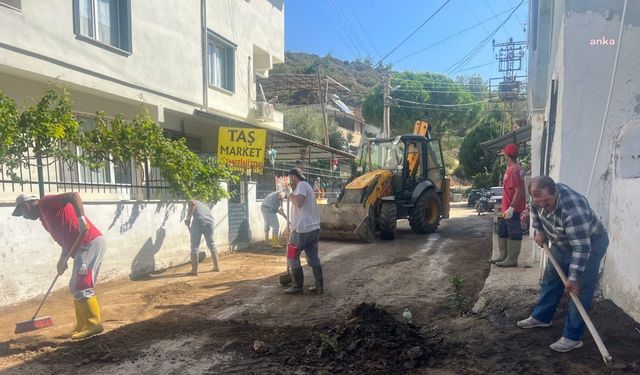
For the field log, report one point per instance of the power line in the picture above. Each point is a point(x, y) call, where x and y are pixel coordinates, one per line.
point(355, 15)
point(448, 110)
point(442, 105)
point(434, 82)
point(414, 31)
point(335, 29)
point(343, 26)
point(445, 92)
point(517, 18)
point(469, 56)
point(491, 10)
point(451, 36)
point(477, 66)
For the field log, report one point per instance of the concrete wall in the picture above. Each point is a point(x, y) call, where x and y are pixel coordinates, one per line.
point(142, 237)
point(621, 281)
point(584, 72)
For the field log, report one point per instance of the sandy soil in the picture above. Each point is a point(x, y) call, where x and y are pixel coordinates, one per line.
point(238, 321)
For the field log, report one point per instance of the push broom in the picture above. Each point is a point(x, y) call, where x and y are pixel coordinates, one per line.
point(46, 321)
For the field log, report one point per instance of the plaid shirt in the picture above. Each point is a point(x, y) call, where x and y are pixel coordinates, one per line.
point(569, 227)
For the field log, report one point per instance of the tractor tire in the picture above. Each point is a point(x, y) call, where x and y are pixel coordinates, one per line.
point(426, 213)
point(388, 220)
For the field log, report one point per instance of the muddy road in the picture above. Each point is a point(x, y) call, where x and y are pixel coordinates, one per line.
point(239, 322)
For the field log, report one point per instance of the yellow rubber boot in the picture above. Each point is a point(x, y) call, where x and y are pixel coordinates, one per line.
point(79, 321)
point(275, 241)
point(93, 322)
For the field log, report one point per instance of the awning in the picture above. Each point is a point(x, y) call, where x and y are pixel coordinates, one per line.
point(289, 146)
point(518, 136)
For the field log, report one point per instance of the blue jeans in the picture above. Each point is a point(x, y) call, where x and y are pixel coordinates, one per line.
point(552, 289)
point(510, 228)
point(199, 230)
point(307, 242)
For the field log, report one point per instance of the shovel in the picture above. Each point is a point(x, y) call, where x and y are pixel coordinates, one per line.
point(285, 278)
point(583, 313)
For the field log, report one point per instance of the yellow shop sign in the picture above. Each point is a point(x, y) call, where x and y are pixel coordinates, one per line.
point(242, 148)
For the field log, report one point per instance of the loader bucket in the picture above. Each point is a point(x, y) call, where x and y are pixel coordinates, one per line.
point(346, 222)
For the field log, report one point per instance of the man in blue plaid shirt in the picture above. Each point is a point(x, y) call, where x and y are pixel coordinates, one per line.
point(578, 242)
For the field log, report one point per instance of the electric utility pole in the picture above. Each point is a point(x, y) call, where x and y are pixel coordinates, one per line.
point(386, 101)
point(322, 100)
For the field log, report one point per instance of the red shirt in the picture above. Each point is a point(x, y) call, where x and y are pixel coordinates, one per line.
point(61, 221)
point(512, 180)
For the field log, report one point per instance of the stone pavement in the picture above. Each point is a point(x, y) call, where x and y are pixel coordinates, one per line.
point(504, 282)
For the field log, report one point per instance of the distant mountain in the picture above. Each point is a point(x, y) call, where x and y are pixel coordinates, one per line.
point(358, 76)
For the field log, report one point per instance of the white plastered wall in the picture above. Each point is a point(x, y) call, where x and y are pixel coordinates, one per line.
point(141, 237)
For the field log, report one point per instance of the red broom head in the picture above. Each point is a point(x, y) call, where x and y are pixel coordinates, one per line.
point(34, 324)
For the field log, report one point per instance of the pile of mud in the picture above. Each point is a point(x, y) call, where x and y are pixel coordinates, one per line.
point(372, 341)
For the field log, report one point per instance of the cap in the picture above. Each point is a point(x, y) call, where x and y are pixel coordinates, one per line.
point(297, 172)
point(22, 198)
point(510, 150)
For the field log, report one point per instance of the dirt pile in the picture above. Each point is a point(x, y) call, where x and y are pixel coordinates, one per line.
point(371, 341)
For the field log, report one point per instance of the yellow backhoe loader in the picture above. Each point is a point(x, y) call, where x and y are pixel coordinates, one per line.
point(402, 178)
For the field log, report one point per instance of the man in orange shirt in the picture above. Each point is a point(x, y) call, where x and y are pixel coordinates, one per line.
point(513, 203)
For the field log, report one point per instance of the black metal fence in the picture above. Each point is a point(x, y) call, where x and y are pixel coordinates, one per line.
point(114, 181)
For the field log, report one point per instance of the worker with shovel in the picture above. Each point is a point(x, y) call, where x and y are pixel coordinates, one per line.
point(202, 225)
point(578, 243)
point(63, 217)
point(305, 233)
point(271, 206)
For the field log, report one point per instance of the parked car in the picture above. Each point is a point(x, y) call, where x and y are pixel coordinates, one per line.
point(496, 197)
point(473, 197)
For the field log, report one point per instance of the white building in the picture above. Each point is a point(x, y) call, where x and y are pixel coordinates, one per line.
point(584, 95)
point(192, 64)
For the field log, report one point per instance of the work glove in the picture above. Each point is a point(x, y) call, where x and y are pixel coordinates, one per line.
point(508, 214)
point(82, 222)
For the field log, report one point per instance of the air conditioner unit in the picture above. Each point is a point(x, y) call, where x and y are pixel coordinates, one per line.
point(264, 111)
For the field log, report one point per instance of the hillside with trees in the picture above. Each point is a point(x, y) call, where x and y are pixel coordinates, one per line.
point(459, 110)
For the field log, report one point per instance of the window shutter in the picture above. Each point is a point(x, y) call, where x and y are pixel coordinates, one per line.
point(76, 17)
point(231, 69)
point(125, 25)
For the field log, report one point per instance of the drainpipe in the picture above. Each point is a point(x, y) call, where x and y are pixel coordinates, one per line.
point(249, 99)
point(205, 68)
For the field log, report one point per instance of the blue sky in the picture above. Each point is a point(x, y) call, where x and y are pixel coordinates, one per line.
point(349, 29)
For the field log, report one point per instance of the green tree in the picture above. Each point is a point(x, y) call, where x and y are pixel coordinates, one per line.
point(307, 123)
point(142, 140)
point(48, 132)
point(475, 162)
point(424, 96)
point(38, 135)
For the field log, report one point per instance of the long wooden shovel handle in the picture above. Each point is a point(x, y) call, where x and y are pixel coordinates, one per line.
point(583, 313)
point(74, 247)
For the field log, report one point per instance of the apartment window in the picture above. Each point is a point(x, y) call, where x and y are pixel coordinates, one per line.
point(14, 4)
point(106, 21)
point(221, 60)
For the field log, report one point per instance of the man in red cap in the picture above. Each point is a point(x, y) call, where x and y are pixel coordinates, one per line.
point(509, 230)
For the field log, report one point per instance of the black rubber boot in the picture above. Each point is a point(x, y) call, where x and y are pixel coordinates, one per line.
point(317, 274)
point(298, 281)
